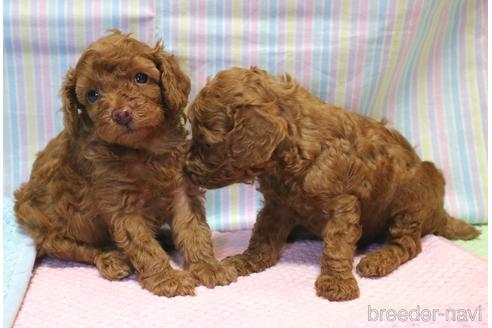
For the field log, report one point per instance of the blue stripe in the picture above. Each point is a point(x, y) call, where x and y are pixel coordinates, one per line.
point(115, 18)
point(456, 94)
point(406, 125)
point(166, 23)
point(209, 205)
point(12, 167)
point(272, 38)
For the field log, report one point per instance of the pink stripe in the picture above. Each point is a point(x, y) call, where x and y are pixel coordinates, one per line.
point(227, 59)
point(37, 79)
point(45, 72)
point(361, 51)
point(308, 43)
point(193, 61)
point(201, 43)
point(246, 28)
point(174, 20)
point(70, 32)
point(481, 48)
point(97, 18)
point(281, 38)
point(299, 41)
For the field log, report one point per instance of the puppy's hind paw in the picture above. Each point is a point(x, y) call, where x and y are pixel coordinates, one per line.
point(113, 265)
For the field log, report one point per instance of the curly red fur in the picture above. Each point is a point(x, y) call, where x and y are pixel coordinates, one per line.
point(101, 190)
point(347, 178)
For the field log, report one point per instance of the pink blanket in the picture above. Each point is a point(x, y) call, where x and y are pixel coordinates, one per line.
point(445, 285)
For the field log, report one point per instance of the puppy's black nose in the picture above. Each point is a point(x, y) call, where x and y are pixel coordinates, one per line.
point(122, 116)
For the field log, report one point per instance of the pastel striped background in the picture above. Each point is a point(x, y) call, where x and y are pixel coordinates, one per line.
point(422, 64)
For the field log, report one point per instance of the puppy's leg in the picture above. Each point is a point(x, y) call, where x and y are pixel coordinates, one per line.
point(341, 233)
point(270, 233)
point(419, 200)
point(137, 241)
point(112, 265)
point(403, 245)
point(193, 238)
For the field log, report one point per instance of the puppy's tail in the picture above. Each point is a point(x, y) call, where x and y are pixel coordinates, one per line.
point(456, 229)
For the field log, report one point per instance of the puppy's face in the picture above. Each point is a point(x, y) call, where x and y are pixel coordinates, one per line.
point(123, 91)
point(236, 128)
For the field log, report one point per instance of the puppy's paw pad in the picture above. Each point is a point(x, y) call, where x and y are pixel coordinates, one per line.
point(171, 283)
point(113, 265)
point(337, 289)
point(374, 265)
point(214, 274)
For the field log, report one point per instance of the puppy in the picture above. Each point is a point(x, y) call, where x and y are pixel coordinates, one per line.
point(344, 177)
point(102, 189)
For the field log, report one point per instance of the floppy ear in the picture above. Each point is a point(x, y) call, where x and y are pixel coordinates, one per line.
point(70, 109)
point(175, 84)
point(256, 134)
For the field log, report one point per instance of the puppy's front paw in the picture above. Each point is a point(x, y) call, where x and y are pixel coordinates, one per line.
point(246, 264)
point(337, 289)
point(170, 283)
point(113, 265)
point(213, 274)
point(376, 264)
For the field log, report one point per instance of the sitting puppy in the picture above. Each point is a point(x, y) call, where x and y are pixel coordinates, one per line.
point(101, 190)
point(343, 176)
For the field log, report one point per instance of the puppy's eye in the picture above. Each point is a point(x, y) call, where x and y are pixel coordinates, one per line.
point(92, 96)
point(141, 78)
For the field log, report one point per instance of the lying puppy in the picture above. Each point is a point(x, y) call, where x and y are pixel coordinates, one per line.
point(101, 190)
point(343, 176)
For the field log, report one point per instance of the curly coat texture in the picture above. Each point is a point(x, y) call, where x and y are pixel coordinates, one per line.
point(101, 190)
point(344, 177)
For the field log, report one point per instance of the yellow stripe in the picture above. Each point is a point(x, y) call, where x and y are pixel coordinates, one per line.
point(29, 67)
point(396, 37)
point(234, 210)
point(237, 28)
point(422, 85)
point(78, 14)
point(290, 35)
point(133, 20)
point(341, 77)
point(181, 50)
